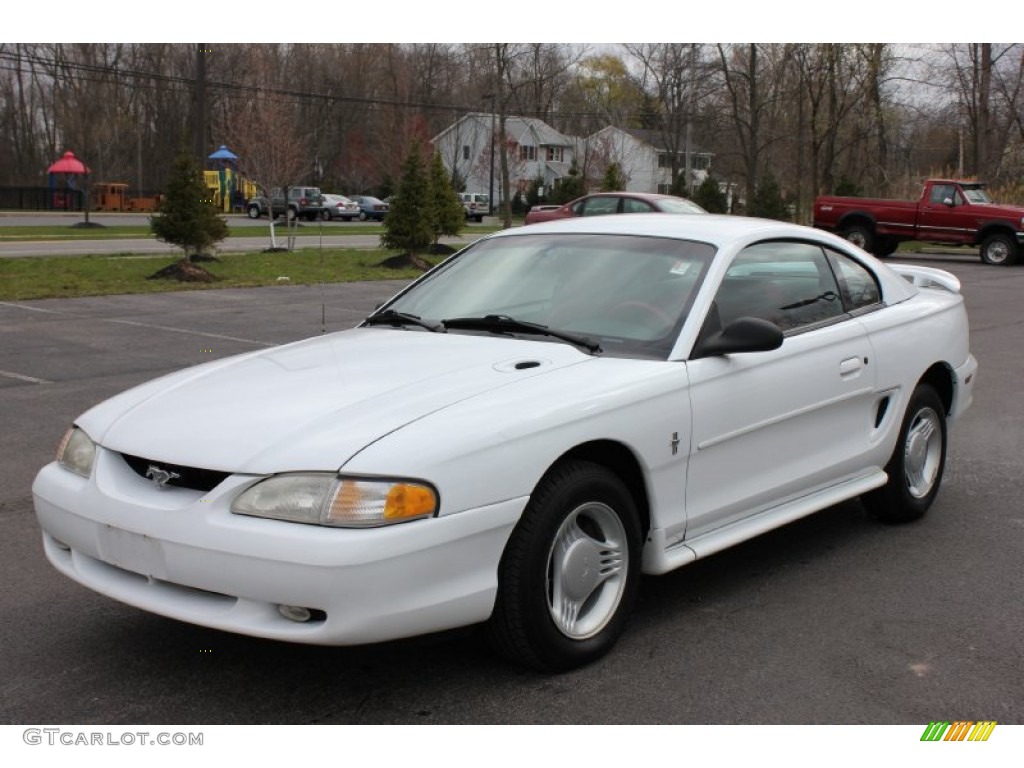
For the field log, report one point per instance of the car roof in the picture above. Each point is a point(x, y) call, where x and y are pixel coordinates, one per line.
point(724, 232)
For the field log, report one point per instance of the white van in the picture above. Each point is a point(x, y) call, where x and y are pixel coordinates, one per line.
point(477, 205)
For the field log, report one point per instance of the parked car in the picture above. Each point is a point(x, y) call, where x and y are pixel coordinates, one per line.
point(477, 205)
point(303, 202)
point(339, 207)
point(371, 207)
point(948, 211)
point(518, 435)
point(602, 203)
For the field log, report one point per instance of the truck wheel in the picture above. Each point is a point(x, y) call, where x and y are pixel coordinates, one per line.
point(859, 235)
point(885, 246)
point(999, 250)
point(254, 211)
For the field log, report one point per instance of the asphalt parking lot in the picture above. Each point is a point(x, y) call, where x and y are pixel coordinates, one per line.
point(833, 619)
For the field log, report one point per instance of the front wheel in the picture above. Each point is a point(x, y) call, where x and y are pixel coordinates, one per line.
point(999, 250)
point(253, 211)
point(569, 575)
point(917, 463)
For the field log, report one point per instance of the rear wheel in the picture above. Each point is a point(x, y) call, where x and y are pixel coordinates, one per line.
point(569, 575)
point(859, 235)
point(253, 211)
point(999, 250)
point(917, 463)
point(885, 246)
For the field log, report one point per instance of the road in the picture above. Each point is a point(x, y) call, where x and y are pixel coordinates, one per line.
point(328, 234)
point(833, 619)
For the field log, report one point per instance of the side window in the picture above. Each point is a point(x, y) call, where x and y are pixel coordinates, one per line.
point(600, 206)
point(787, 283)
point(857, 284)
point(941, 193)
point(632, 205)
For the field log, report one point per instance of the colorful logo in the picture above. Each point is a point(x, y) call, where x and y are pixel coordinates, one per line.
point(960, 730)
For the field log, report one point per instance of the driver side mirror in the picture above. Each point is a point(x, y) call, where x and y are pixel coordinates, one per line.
point(745, 334)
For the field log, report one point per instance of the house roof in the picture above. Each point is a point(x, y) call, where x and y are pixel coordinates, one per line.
point(653, 138)
point(516, 126)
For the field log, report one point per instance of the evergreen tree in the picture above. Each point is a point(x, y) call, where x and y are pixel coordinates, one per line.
point(533, 192)
point(447, 214)
point(710, 196)
point(185, 217)
point(407, 227)
point(613, 180)
point(679, 186)
point(571, 186)
point(768, 202)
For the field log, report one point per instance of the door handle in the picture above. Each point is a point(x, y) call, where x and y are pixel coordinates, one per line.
point(850, 366)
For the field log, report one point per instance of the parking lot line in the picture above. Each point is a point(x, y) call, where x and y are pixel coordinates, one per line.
point(23, 377)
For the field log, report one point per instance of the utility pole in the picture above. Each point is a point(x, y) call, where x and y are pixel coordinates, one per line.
point(199, 97)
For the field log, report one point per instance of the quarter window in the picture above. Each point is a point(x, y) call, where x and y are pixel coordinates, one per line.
point(858, 286)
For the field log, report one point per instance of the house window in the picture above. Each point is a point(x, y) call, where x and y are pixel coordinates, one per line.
point(465, 151)
point(527, 152)
point(664, 189)
point(555, 154)
point(664, 160)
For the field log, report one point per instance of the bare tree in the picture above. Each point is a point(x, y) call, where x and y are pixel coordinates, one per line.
point(268, 136)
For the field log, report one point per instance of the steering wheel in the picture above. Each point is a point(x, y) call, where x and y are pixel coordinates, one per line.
point(650, 309)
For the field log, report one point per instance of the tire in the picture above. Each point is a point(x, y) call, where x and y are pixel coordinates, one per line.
point(479, 219)
point(291, 214)
point(885, 246)
point(253, 211)
point(859, 235)
point(362, 216)
point(569, 575)
point(326, 215)
point(999, 250)
point(917, 463)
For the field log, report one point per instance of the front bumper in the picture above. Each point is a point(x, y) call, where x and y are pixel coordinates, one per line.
point(183, 554)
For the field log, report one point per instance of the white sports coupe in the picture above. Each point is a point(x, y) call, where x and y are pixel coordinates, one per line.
point(518, 435)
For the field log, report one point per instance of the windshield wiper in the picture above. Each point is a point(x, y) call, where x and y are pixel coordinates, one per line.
point(506, 324)
point(396, 319)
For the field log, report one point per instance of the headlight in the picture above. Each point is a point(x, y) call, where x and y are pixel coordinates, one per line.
point(76, 452)
point(319, 498)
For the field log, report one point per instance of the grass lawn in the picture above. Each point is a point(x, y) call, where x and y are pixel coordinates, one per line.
point(65, 277)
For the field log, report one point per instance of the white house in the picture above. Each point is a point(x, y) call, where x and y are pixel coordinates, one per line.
point(643, 156)
point(535, 150)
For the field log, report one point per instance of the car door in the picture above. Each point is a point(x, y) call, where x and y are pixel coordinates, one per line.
point(770, 426)
point(944, 216)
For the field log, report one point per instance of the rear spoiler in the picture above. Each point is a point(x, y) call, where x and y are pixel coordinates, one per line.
point(927, 277)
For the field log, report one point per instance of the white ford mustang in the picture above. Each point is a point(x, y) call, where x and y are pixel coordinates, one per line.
point(518, 435)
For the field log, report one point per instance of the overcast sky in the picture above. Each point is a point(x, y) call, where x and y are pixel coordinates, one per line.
point(511, 20)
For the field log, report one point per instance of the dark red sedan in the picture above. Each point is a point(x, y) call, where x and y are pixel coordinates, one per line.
point(603, 203)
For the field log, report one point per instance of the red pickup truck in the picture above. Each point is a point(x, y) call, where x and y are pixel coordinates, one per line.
point(948, 212)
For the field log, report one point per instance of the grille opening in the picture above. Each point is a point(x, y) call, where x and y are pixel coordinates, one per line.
point(193, 478)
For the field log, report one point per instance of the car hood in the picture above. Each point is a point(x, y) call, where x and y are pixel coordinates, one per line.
point(313, 404)
point(1001, 209)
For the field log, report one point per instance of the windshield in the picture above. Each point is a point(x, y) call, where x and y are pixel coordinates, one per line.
point(976, 195)
point(629, 294)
